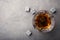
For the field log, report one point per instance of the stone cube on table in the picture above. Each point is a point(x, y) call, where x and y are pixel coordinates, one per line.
point(28, 32)
point(27, 9)
point(53, 10)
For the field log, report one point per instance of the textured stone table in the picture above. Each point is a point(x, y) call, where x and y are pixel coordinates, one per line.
point(14, 21)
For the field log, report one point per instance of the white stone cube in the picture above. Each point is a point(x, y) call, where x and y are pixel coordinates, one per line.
point(28, 32)
point(33, 11)
point(53, 10)
point(27, 9)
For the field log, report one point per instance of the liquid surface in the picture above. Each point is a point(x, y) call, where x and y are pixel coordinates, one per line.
point(42, 20)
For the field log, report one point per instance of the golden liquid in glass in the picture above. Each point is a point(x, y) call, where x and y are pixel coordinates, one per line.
point(42, 20)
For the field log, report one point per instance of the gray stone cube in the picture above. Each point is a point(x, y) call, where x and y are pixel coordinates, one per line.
point(27, 9)
point(53, 10)
point(28, 32)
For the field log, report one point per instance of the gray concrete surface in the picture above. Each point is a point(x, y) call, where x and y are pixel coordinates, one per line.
point(14, 21)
